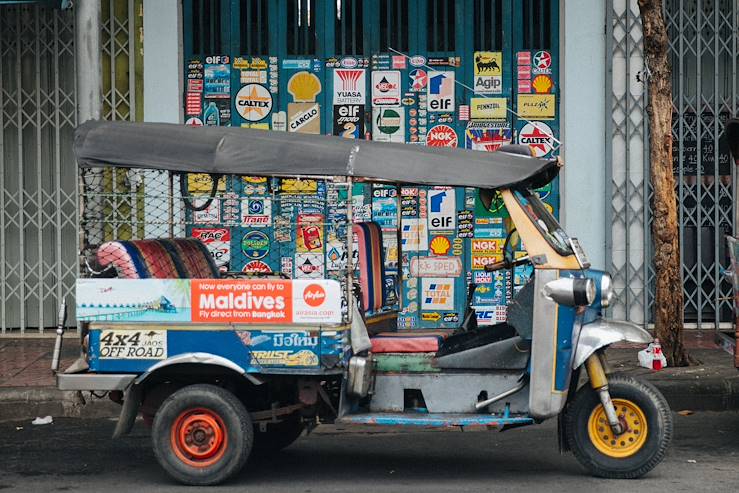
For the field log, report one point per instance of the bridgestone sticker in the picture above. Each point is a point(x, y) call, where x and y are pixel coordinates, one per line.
point(128, 344)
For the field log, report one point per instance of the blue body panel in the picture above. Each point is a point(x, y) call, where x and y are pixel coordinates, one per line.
point(437, 420)
point(254, 350)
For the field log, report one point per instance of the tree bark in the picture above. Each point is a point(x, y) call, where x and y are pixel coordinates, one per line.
point(669, 293)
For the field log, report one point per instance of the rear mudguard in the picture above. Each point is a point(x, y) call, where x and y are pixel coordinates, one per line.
point(601, 333)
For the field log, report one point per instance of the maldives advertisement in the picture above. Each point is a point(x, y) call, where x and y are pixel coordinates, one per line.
point(212, 301)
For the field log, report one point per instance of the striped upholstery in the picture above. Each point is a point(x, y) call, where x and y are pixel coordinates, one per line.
point(158, 259)
point(371, 265)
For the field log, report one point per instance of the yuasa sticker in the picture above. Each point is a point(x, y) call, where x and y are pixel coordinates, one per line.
point(349, 86)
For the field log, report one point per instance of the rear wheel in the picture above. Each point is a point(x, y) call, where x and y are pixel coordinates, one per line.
point(642, 411)
point(277, 436)
point(202, 435)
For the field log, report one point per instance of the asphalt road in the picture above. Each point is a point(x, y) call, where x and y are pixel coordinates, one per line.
point(77, 455)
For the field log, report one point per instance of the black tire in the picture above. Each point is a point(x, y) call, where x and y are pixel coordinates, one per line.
point(658, 430)
point(189, 405)
point(278, 436)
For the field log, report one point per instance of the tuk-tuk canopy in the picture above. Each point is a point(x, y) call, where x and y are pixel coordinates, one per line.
point(243, 151)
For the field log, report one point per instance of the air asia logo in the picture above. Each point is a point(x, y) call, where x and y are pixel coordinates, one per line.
point(538, 136)
point(314, 295)
point(253, 102)
point(441, 136)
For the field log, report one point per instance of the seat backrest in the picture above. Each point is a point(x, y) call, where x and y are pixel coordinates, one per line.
point(158, 259)
point(371, 265)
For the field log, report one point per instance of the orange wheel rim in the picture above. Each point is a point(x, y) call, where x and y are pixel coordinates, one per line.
point(199, 437)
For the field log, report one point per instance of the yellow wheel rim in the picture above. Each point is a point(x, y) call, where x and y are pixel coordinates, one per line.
point(630, 441)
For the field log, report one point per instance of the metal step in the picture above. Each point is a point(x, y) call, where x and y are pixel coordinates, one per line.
point(435, 420)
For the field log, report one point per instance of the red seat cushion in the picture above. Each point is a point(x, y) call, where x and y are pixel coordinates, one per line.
point(416, 341)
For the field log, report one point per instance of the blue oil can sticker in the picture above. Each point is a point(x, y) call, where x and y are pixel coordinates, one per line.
point(138, 344)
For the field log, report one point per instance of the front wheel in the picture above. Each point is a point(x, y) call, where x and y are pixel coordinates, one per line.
point(647, 420)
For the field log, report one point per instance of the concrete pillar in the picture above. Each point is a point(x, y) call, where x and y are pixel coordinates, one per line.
point(583, 71)
point(162, 61)
point(88, 57)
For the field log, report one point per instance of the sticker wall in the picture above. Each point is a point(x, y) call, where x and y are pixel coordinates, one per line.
point(447, 235)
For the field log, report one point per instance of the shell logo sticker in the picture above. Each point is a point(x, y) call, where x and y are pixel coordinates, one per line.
point(314, 295)
point(542, 84)
point(304, 87)
point(440, 245)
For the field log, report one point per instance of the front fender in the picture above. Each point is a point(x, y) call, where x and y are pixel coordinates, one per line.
point(602, 332)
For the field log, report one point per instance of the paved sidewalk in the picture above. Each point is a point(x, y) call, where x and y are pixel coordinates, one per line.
point(27, 386)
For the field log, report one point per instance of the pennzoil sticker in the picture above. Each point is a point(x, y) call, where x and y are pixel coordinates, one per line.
point(139, 344)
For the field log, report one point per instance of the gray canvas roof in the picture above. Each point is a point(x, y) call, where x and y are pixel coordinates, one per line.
point(241, 151)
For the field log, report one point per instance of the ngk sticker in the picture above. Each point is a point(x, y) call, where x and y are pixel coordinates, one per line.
point(441, 136)
point(538, 136)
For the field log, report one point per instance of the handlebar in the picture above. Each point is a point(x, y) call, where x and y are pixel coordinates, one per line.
point(505, 264)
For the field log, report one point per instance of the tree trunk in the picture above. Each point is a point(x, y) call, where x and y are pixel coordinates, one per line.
point(669, 293)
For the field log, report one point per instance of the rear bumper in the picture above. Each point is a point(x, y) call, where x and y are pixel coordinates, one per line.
point(93, 381)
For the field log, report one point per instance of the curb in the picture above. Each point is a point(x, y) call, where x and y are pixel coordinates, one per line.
point(24, 403)
point(715, 394)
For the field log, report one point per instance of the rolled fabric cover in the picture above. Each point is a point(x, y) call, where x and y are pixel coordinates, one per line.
point(125, 257)
point(158, 259)
point(196, 259)
point(371, 265)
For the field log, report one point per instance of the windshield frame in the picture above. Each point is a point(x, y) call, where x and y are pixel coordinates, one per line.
point(551, 230)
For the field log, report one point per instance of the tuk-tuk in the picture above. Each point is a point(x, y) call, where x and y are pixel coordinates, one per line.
point(729, 341)
point(224, 365)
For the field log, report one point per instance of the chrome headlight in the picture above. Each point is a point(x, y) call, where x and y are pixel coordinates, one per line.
point(571, 291)
point(607, 292)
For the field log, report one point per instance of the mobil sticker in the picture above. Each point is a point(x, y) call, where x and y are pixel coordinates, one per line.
point(442, 209)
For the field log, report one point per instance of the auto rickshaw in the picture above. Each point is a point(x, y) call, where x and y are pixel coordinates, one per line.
point(725, 339)
point(225, 365)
